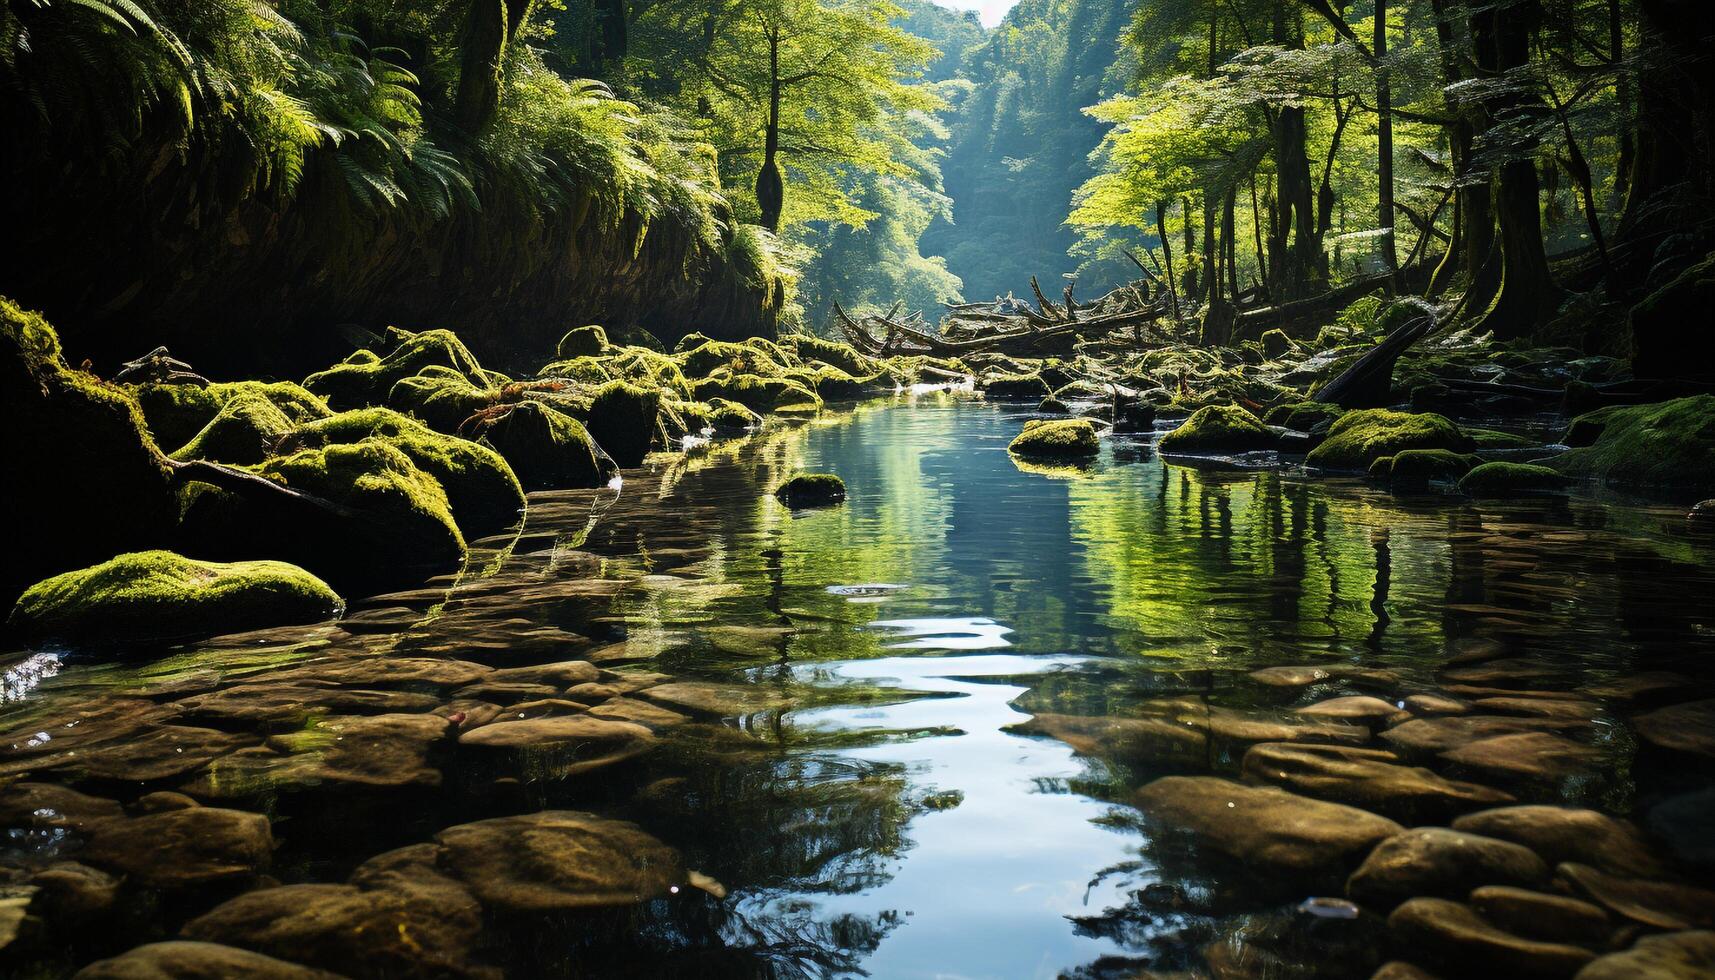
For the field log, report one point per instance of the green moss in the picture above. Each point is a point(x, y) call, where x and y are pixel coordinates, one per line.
point(750, 357)
point(158, 596)
point(1053, 406)
point(484, 494)
point(843, 356)
point(398, 529)
point(1219, 429)
point(176, 413)
point(1015, 387)
point(581, 342)
point(759, 394)
point(1276, 344)
point(835, 385)
point(346, 386)
point(1057, 438)
point(1413, 468)
point(444, 400)
point(547, 448)
point(730, 416)
point(84, 479)
point(1666, 444)
point(624, 420)
point(1381, 469)
point(647, 368)
point(1511, 479)
point(1303, 416)
point(811, 489)
point(1359, 437)
point(1496, 439)
point(585, 370)
point(245, 431)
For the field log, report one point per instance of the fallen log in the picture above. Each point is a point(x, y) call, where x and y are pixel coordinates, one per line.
point(1368, 383)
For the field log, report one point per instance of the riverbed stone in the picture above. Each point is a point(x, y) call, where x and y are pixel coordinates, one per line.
point(1687, 728)
point(166, 752)
point(1368, 778)
point(71, 892)
point(184, 960)
point(1353, 707)
point(1144, 742)
point(270, 705)
point(1674, 956)
point(1443, 863)
point(638, 712)
point(1561, 834)
point(1219, 429)
point(1657, 904)
point(1525, 755)
point(1270, 830)
point(1359, 438)
point(1435, 704)
point(183, 848)
point(1056, 439)
point(1451, 934)
point(1429, 736)
point(1539, 915)
point(558, 860)
point(716, 700)
point(1305, 675)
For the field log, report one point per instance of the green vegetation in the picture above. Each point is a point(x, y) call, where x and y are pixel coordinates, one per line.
point(811, 490)
point(1358, 439)
point(1511, 479)
point(1219, 429)
point(158, 596)
point(1669, 444)
point(1415, 469)
point(546, 448)
point(1056, 438)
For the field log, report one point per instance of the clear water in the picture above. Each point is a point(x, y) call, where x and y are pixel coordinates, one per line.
point(870, 804)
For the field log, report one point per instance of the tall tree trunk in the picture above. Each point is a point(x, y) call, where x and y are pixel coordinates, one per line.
point(612, 33)
point(482, 49)
point(1384, 145)
point(1229, 242)
point(770, 187)
point(1622, 95)
point(1256, 231)
point(1472, 207)
point(1528, 295)
point(1190, 283)
point(1293, 267)
point(1167, 252)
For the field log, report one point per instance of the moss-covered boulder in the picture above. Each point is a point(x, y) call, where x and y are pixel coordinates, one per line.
point(1015, 387)
point(581, 342)
point(1358, 438)
point(647, 369)
point(354, 385)
point(730, 417)
point(391, 525)
point(843, 356)
point(584, 370)
point(83, 479)
point(548, 449)
point(758, 393)
point(833, 384)
point(1511, 480)
point(1057, 439)
point(1219, 429)
point(623, 419)
point(1303, 416)
point(246, 431)
point(175, 413)
point(443, 399)
point(811, 490)
point(1666, 339)
point(484, 494)
point(1053, 406)
point(1666, 444)
point(1496, 439)
point(1276, 344)
point(750, 357)
point(158, 596)
point(1417, 468)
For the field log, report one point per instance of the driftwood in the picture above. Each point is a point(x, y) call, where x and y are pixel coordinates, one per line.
point(1369, 381)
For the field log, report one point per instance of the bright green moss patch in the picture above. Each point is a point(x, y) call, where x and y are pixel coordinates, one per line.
point(624, 420)
point(548, 449)
point(443, 400)
point(484, 494)
point(730, 416)
point(843, 356)
point(584, 370)
point(581, 342)
point(1015, 387)
point(1303, 416)
point(1056, 438)
point(751, 357)
point(245, 431)
point(1275, 343)
point(759, 394)
point(1511, 479)
point(1666, 444)
point(835, 385)
point(175, 413)
point(811, 489)
point(1359, 437)
point(1496, 439)
point(354, 385)
point(158, 596)
point(1219, 429)
point(1413, 468)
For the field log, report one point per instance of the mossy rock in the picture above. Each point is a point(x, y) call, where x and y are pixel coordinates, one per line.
point(1303, 416)
point(443, 400)
point(1665, 444)
point(648, 369)
point(1015, 388)
point(731, 417)
point(585, 370)
point(833, 384)
point(175, 413)
point(1276, 344)
point(397, 529)
point(246, 431)
point(1511, 480)
point(346, 386)
point(1666, 341)
point(690, 342)
point(1359, 437)
point(1053, 406)
point(1219, 429)
point(484, 494)
point(1417, 468)
point(84, 479)
point(581, 342)
point(1496, 439)
point(1056, 438)
point(624, 420)
point(547, 449)
point(811, 490)
point(759, 394)
point(751, 357)
point(843, 356)
point(161, 597)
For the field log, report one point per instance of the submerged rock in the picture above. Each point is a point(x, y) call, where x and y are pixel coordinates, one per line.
point(1664, 444)
point(1271, 831)
point(1675, 956)
point(1656, 904)
point(811, 490)
point(1501, 479)
point(1562, 834)
point(185, 960)
point(1058, 438)
point(1219, 429)
point(1524, 755)
point(558, 860)
point(1358, 438)
point(1413, 469)
point(1688, 728)
point(1367, 778)
point(1015, 387)
point(158, 596)
point(1444, 863)
point(1538, 915)
point(1450, 934)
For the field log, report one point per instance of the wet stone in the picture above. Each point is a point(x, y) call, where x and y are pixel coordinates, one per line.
point(1657, 904)
point(1371, 779)
point(1572, 710)
point(1538, 915)
point(1443, 863)
point(1674, 956)
point(182, 960)
point(1453, 935)
point(182, 848)
point(1428, 736)
point(1688, 728)
point(1435, 704)
point(716, 700)
point(506, 693)
point(1303, 676)
point(1357, 707)
point(70, 892)
point(1526, 755)
point(558, 860)
point(167, 752)
point(637, 712)
point(561, 675)
point(285, 705)
point(385, 672)
point(1270, 830)
point(1560, 834)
